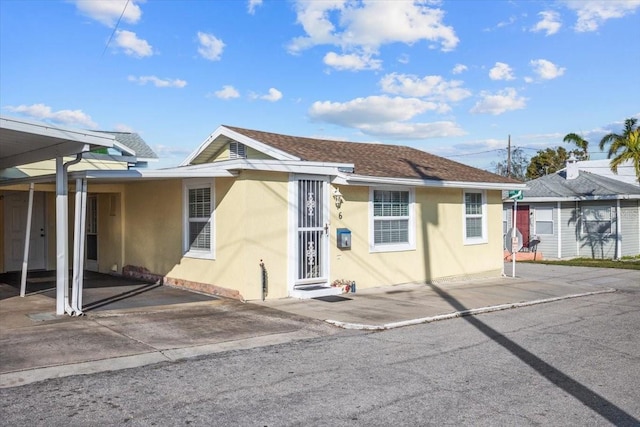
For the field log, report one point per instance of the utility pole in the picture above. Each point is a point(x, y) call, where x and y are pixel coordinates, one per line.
point(509, 157)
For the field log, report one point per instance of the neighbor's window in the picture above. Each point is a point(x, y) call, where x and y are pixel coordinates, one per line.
point(474, 217)
point(544, 221)
point(198, 224)
point(237, 150)
point(596, 219)
point(392, 216)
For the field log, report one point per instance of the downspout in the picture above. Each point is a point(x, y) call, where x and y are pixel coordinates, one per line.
point(78, 246)
point(27, 241)
point(62, 234)
point(618, 231)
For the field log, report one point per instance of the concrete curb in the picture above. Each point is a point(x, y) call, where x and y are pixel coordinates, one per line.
point(456, 314)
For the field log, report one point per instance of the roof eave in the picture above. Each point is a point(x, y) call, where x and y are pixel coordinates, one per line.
point(416, 182)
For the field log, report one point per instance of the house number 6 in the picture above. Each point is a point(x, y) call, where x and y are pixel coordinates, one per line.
point(340, 215)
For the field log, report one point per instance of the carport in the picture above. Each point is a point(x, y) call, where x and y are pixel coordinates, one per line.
point(23, 142)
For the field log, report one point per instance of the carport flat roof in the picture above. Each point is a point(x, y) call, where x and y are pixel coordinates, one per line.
point(23, 141)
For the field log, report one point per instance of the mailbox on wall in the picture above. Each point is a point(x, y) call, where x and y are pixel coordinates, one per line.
point(344, 238)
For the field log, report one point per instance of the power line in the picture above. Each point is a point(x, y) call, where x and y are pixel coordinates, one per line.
point(473, 154)
point(115, 28)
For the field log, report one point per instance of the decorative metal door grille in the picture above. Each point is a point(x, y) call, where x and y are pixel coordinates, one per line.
point(311, 231)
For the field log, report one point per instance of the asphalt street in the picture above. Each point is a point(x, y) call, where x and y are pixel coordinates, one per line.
point(570, 362)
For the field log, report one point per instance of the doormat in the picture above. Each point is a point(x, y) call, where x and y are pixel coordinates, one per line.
point(332, 298)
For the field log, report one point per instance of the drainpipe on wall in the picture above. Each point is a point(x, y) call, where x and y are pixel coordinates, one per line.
point(78, 246)
point(62, 234)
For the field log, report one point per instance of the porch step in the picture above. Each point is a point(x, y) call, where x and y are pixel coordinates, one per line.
point(316, 291)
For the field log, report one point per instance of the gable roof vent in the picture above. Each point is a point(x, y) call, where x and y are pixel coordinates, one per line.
point(237, 150)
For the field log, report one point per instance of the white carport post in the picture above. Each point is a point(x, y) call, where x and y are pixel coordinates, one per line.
point(78, 246)
point(27, 240)
point(62, 234)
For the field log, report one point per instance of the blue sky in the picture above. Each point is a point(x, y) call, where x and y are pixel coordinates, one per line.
point(454, 78)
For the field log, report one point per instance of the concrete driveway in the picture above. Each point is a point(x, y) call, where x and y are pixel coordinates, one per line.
point(35, 344)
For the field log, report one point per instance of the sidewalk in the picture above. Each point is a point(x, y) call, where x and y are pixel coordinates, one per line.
point(37, 345)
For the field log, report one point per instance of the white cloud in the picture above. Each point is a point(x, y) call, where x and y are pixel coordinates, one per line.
point(365, 26)
point(500, 102)
point(501, 71)
point(108, 12)
point(158, 82)
point(373, 109)
point(433, 88)
point(403, 59)
point(273, 95)
point(210, 47)
point(398, 130)
point(550, 22)
point(351, 62)
point(593, 13)
point(227, 92)
point(120, 127)
point(546, 70)
point(252, 6)
point(65, 117)
point(132, 45)
point(459, 69)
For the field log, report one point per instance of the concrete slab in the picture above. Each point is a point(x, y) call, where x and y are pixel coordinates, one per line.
point(134, 323)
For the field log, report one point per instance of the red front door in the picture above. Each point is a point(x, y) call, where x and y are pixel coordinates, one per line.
point(522, 223)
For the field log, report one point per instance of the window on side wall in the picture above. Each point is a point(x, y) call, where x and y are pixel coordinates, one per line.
point(392, 220)
point(596, 219)
point(198, 219)
point(544, 221)
point(475, 217)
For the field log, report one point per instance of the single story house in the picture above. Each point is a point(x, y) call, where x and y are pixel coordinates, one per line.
point(254, 214)
point(575, 213)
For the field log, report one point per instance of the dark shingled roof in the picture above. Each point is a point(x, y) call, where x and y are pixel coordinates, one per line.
point(586, 184)
point(135, 142)
point(380, 160)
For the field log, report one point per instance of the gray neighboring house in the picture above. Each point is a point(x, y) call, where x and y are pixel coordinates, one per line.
point(575, 213)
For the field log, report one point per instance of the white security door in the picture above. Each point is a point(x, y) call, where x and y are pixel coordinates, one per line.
point(16, 205)
point(312, 227)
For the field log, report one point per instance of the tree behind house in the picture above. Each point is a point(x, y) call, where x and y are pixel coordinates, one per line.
point(519, 162)
point(624, 147)
point(551, 160)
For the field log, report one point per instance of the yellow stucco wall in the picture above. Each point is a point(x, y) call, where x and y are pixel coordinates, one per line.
point(440, 251)
point(110, 230)
point(251, 225)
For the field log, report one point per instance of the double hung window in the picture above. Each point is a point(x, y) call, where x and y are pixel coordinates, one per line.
point(596, 219)
point(475, 220)
point(198, 224)
point(544, 221)
point(392, 220)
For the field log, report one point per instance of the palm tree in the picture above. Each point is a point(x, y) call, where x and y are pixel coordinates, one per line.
point(624, 147)
point(580, 142)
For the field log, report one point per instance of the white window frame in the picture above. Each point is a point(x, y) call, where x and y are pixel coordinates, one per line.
point(597, 207)
point(476, 240)
point(393, 247)
point(537, 213)
point(187, 185)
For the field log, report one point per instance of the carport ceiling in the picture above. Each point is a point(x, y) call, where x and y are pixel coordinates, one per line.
point(23, 142)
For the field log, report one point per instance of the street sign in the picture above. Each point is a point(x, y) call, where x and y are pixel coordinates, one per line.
point(515, 194)
point(515, 239)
